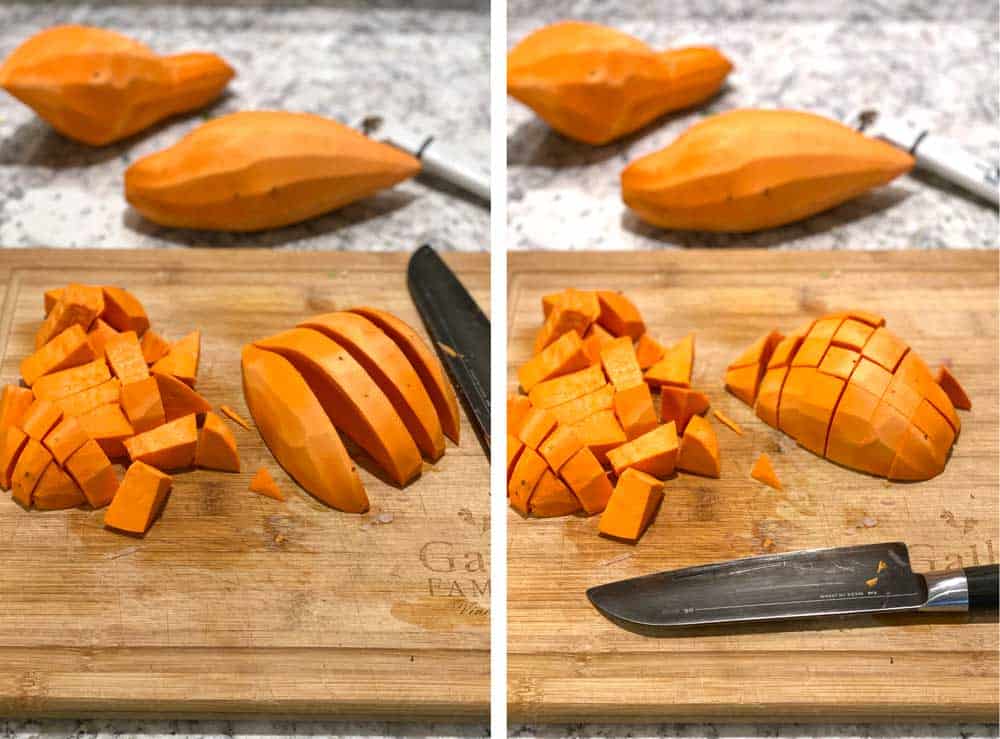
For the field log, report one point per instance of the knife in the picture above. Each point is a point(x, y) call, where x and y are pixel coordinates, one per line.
point(942, 156)
point(848, 581)
point(459, 329)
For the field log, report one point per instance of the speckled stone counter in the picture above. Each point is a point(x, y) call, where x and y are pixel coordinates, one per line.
point(424, 65)
point(933, 62)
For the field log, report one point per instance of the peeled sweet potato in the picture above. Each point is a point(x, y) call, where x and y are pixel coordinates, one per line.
point(747, 170)
point(596, 84)
point(98, 86)
point(255, 170)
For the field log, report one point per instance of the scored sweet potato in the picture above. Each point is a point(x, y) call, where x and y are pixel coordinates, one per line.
point(167, 447)
point(216, 448)
point(632, 506)
point(182, 359)
point(68, 349)
point(654, 452)
point(57, 491)
point(140, 499)
point(953, 389)
point(142, 404)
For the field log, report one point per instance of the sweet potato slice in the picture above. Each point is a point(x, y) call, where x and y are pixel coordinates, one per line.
point(620, 363)
point(785, 350)
point(178, 398)
point(744, 375)
point(98, 336)
point(586, 405)
point(139, 500)
point(77, 305)
point(12, 443)
point(142, 404)
point(85, 401)
point(154, 347)
point(560, 446)
point(216, 448)
point(392, 372)
point(635, 410)
point(56, 491)
point(527, 472)
point(654, 453)
point(537, 425)
point(552, 497)
point(264, 484)
point(953, 389)
point(588, 481)
point(65, 438)
point(182, 359)
point(107, 425)
point(648, 351)
point(123, 311)
point(569, 387)
point(676, 365)
point(14, 404)
point(70, 381)
point(298, 431)
point(514, 448)
point(601, 433)
point(518, 407)
point(28, 471)
point(632, 506)
point(619, 315)
point(427, 365)
point(575, 311)
point(92, 471)
point(769, 395)
point(564, 355)
point(229, 412)
point(353, 401)
point(699, 449)
point(763, 471)
point(124, 355)
point(40, 418)
point(170, 446)
point(68, 349)
point(680, 405)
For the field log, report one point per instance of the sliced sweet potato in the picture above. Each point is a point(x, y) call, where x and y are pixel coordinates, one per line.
point(560, 445)
point(654, 453)
point(298, 431)
point(170, 446)
point(527, 472)
point(769, 395)
point(92, 470)
point(85, 401)
point(601, 432)
point(178, 398)
point(681, 404)
point(142, 404)
point(569, 387)
point(699, 451)
point(107, 425)
point(154, 347)
point(123, 311)
point(30, 467)
point(514, 448)
point(885, 348)
point(552, 497)
point(953, 389)
point(353, 401)
point(676, 365)
point(70, 381)
point(51, 297)
point(586, 405)
point(517, 410)
point(14, 403)
point(57, 491)
point(727, 421)
point(427, 365)
point(620, 363)
point(744, 375)
point(264, 484)
point(65, 438)
point(98, 336)
point(588, 481)
point(235, 416)
point(537, 425)
point(619, 315)
point(41, 418)
point(216, 448)
point(12, 443)
point(564, 355)
point(77, 305)
point(635, 410)
point(68, 349)
point(632, 506)
point(182, 359)
point(124, 355)
point(648, 351)
point(853, 334)
point(763, 471)
point(392, 372)
point(575, 311)
point(139, 500)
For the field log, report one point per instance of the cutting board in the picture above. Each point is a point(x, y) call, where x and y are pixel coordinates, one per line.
point(235, 604)
point(566, 662)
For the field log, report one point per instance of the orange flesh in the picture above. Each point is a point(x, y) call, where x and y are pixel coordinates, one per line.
point(108, 426)
point(216, 448)
point(654, 453)
point(139, 500)
point(124, 355)
point(182, 359)
point(142, 404)
point(123, 311)
point(763, 471)
point(67, 382)
point(167, 447)
point(699, 452)
point(68, 349)
point(264, 484)
point(632, 506)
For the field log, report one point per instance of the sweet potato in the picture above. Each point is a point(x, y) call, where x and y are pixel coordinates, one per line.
point(28, 470)
point(537, 425)
point(953, 389)
point(178, 398)
point(264, 484)
point(139, 500)
point(40, 418)
point(699, 452)
point(744, 375)
point(98, 336)
point(124, 356)
point(232, 414)
point(514, 448)
point(552, 497)
point(563, 356)
point(92, 471)
point(78, 305)
point(727, 421)
point(65, 438)
point(635, 410)
point(601, 433)
point(575, 311)
point(569, 387)
point(123, 311)
point(107, 425)
point(654, 452)
point(170, 446)
point(619, 315)
point(588, 481)
point(560, 446)
point(14, 403)
point(98, 86)
point(518, 407)
point(67, 382)
point(56, 491)
point(763, 471)
point(68, 349)
point(85, 401)
point(648, 351)
point(586, 405)
point(12, 442)
point(221, 177)
point(154, 347)
point(182, 359)
point(680, 405)
point(676, 365)
point(142, 404)
point(298, 431)
point(621, 364)
point(527, 472)
point(632, 505)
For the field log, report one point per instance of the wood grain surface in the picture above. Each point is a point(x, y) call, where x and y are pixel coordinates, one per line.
point(566, 662)
point(235, 604)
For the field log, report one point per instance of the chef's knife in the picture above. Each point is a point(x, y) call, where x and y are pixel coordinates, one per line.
point(849, 581)
point(934, 153)
point(459, 329)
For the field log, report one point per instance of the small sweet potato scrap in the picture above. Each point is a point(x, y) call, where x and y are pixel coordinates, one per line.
point(154, 347)
point(182, 359)
point(632, 506)
point(235, 416)
point(264, 484)
point(139, 500)
point(676, 365)
point(65, 438)
point(14, 403)
point(552, 497)
point(527, 472)
point(68, 349)
point(107, 425)
point(563, 389)
point(588, 481)
point(681, 404)
point(70, 381)
point(41, 418)
point(728, 421)
point(28, 471)
point(560, 446)
point(635, 410)
point(648, 351)
point(12, 442)
point(92, 471)
point(654, 453)
point(77, 305)
point(699, 449)
point(56, 491)
point(536, 426)
point(141, 402)
point(619, 315)
point(562, 356)
point(620, 363)
point(216, 448)
point(85, 401)
point(124, 355)
point(98, 337)
point(123, 311)
point(763, 471)
point(953, 389)
point(167, 447)
point(178, 399)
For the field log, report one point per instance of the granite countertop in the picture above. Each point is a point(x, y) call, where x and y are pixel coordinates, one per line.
point(930, 61)
point(424, 65)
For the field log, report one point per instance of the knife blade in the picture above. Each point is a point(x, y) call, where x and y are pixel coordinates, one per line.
point(846, 581)
point(459, 330)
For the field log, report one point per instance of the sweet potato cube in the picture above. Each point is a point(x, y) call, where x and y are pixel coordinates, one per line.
point(763, 471)
point(676, 365)
point(14, 404)
point(68, 349)
point(560, 445)
point(87, 400)
point(107, 425)
point(558, 390)
point(680, 405)
point(853, 334)
point(56, 491)
point(562, 356)
point(41, 418)
point(588, 480)
point(77, 305)
point(264, 484)
point(552, 497)
point(178, 398)
point(154, 347)
point(12, 443)
point(699, 451)
point(635, 410)
point(167, 447)
point(518, 407)
point(514, 448)
point(953, 389)
point(619, 315)
point(124, 355)
point(91, 469)
point(885, 348)
point(537, 425)
point(601, 433)
point(51, 297)
point(65, 438)
point(139, 500)
point(142, 404)
point(654, 452)
point(98, 336)
point(632, 506)
point(67, 382)
point(28, 471)
point(594, 340)
point(575, 311)
point(648, 351)
point(586, 405)
point(216, 448)
point(527, 472)
point(620, 363)
point(182, 359)
point(123, 311)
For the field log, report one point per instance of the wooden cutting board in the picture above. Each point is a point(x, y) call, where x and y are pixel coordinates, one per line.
point(566, 662)
point(234, 603)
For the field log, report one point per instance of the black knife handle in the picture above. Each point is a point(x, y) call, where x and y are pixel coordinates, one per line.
point(984, 587)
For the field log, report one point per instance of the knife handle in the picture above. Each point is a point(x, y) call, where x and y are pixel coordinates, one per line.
point(984, 588)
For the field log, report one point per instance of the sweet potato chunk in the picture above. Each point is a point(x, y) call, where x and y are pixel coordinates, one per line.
point(41, 418)
point(28, 471)
point(123, 311)
point(98, 337)
point(635, 410)
point(527, 472)
point(575, 311)
point(953, 389)
point(518, 407)
point(264, 484)
point(87, 400)
point(564, 355)
point(601, 433)
point(14, 403)
point(654, 452)
point(680, 405)
point(216, 448)
point(67, 382)
point(167, 447)
point(139, 500)
point(632, 506)
point(648, 351)
point(699, 451)
point(586, 405)
point(142, 404)
point(552, 497)
point(619, 315)
point(124, 355)
point(12, 442)
point(676, 365)
point(537, 425)
point(560, 446)
point(588, 481)
point(182, 359)
point(154, 347)
point(68, 349)
point(77, 305)
point(569, 387)
point(620, 363)
point(56, 491)
point(65, 438)
point(178, 398)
